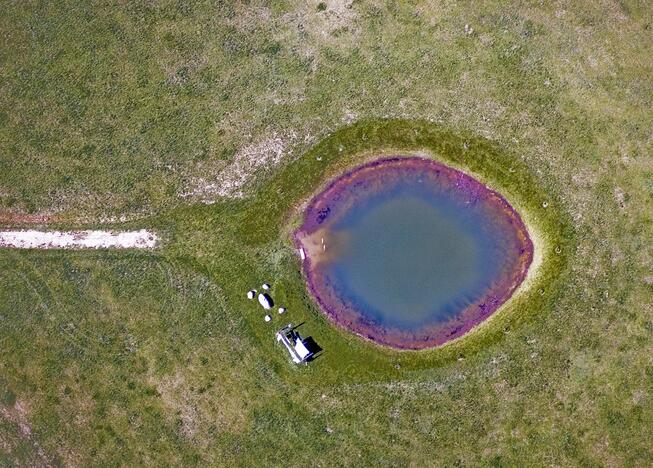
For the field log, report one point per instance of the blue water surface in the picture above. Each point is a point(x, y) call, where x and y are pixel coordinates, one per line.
point(412, 255)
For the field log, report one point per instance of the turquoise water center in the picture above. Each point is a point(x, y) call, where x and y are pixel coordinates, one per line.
point(411, 253)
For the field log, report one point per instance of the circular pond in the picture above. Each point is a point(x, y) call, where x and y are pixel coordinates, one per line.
point(411, 253)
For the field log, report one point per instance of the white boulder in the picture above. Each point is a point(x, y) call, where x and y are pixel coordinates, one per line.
point(265, 301)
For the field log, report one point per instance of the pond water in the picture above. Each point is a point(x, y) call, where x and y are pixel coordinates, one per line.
point(411, 253)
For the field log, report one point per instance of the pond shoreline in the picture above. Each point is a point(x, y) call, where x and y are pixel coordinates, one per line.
point(344, 315)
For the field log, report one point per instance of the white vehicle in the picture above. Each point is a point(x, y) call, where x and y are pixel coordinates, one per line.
point(301, 350)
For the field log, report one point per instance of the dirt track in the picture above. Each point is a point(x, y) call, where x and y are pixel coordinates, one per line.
point(31, 239)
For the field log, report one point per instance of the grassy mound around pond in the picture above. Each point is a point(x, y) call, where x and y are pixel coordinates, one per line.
point(263, 228)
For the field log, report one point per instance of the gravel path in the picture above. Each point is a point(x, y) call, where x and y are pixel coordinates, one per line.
point(30, 239)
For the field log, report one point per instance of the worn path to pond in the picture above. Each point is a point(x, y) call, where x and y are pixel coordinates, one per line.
point(411, 253)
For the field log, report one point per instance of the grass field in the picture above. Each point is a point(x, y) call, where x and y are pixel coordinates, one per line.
point(212, 124)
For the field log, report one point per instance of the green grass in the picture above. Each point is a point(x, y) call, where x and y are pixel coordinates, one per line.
point(131, 358)
point(241, 245)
